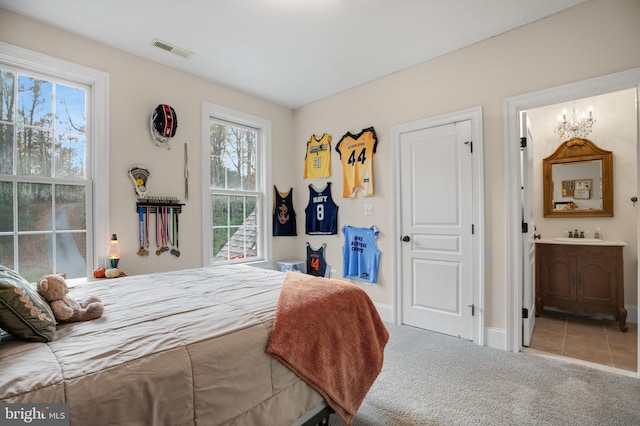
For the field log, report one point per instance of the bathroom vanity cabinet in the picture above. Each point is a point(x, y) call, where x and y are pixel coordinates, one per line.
point(582, 279)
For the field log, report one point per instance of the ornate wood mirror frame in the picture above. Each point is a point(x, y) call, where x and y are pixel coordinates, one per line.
point(578, 151)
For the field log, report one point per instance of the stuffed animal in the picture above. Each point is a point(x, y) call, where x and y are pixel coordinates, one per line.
point(53, 288)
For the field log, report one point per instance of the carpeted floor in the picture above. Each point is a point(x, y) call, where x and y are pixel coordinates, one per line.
point(432, 379)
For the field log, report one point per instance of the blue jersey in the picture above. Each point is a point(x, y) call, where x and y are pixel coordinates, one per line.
point(360, 253)
point(321, 212)
point(284, 217)
point(316, 265)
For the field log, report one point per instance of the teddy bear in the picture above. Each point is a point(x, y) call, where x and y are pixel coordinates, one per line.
point(53, 288)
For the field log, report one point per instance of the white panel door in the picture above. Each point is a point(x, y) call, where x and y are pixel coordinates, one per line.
point(528, 237)
point(436, 213)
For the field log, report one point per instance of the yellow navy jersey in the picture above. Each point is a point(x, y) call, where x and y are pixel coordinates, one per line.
point(317, 161)
point(356, 155)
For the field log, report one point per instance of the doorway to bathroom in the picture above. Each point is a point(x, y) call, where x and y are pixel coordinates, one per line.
point(595, 338)
point(613, 100)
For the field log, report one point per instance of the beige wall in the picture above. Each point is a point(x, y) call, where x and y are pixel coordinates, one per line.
point(602, 36)
point(137, 86)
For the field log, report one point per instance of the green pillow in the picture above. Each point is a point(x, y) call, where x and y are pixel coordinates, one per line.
point(23, 312)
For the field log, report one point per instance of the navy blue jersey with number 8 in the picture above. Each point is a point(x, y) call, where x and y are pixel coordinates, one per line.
point(321, 212)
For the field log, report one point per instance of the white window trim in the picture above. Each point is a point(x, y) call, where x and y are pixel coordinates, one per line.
point(98, 228)
point(264, 157)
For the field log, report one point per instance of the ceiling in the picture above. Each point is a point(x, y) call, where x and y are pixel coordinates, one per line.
point(291, 52)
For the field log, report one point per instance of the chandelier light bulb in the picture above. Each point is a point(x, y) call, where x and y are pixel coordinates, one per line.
point(574, 126)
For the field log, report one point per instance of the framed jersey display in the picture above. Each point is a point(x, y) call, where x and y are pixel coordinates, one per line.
point(356, 155)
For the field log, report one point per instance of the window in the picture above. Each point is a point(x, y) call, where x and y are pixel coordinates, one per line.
point(234, 145)
point(48, 143)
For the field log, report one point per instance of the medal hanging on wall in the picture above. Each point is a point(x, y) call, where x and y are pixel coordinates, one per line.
point(167, 214)
point(143, 232)
point(174, 231)
point(160, 231)
point(167, 231)
point(170, 230)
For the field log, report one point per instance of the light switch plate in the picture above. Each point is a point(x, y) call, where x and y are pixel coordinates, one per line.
point(368, 209)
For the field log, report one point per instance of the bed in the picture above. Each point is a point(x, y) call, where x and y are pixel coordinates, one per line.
point(175, 348)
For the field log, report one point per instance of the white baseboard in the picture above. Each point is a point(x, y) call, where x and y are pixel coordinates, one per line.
point(632, 314)
point(385, 312)
point(495, 338)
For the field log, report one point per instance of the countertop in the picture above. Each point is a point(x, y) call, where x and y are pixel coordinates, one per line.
point(581, 241)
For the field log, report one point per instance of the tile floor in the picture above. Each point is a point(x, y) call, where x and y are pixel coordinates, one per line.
point(587, 339)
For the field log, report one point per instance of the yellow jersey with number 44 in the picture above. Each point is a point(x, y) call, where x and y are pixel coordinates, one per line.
point(317, 162)
point(356, 155)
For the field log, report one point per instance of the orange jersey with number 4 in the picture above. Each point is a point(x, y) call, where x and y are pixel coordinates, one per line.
point(317, 162)
point(356, 155)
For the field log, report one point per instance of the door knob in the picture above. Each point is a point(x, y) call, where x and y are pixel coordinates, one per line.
point(406, 238)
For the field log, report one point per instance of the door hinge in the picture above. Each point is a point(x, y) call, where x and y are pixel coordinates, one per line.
point(525, 313)
point(473, 229)
point(525, 227)
point(523, 142)
point(473, 309)
point(470, 145)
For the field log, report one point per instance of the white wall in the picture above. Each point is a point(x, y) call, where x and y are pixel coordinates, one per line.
point(614, 130)
point(603, 36)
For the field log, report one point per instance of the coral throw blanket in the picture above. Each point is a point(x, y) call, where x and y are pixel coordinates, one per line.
point(329, 333)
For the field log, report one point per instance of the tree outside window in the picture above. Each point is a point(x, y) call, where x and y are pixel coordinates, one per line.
point(235, 191)
point(43, 175)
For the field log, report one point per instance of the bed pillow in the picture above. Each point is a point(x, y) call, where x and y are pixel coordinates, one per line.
point(23, 312)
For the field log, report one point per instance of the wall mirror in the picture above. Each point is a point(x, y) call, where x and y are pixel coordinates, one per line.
point(578, 180)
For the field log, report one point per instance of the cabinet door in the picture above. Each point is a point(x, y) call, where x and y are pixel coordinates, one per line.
point(597, 280)
point(559, 277)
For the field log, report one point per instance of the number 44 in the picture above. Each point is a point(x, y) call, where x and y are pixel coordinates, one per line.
point(362, 157)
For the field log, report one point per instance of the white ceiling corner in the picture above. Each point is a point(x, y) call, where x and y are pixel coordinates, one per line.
point(290, 52)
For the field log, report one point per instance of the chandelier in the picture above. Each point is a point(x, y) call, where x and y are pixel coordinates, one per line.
point(574, 126)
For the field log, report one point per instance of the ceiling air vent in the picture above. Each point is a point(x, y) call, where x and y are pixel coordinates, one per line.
point(170, 48)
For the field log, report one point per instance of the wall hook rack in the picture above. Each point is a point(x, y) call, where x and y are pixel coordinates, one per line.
point(166, 212)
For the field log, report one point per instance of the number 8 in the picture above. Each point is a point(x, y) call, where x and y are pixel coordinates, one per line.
point(320, 211)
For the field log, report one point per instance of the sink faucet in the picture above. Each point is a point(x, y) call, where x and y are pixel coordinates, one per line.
point(576, 234)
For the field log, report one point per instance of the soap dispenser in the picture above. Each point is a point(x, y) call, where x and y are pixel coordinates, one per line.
point(597, 233)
